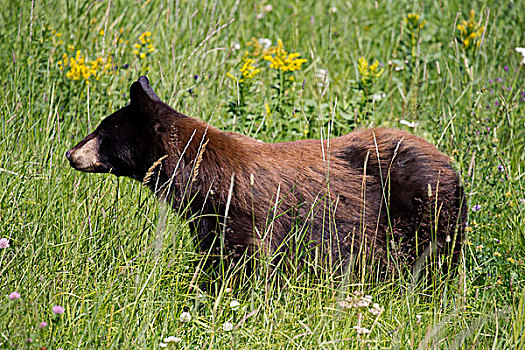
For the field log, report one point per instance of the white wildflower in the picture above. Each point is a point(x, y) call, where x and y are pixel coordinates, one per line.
point(265, 43)
point(333, 9)
point(172, 339)
point(343, 304)
point(163, 345)
point(185, 317)
point(356, 301)
point(362, 330)
point(236, 46)
point(418, 318)
point(376, 310)
point(234, 305)
point(268, 8)
point(4, 243)
point(364, 301)
point(227, 326)
point(378, 96)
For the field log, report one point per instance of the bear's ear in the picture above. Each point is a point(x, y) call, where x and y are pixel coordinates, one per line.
point(143, 97)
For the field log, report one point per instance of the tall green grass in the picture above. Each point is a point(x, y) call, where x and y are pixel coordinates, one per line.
point(95, 244)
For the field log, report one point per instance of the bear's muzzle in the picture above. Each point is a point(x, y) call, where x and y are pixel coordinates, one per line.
point(85, 155)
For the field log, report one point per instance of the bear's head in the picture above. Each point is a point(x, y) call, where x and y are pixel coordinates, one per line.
point(130, 140)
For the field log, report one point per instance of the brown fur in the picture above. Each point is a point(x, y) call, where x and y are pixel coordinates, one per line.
point(350, 202)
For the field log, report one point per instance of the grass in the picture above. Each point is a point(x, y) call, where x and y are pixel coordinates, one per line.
point(94, 244)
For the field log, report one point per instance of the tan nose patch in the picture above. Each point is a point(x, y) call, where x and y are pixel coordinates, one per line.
point(85, 157)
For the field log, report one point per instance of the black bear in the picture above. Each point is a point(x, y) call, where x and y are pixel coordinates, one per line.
point(380, 191)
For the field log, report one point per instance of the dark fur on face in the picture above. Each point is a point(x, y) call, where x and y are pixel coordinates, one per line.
point(377, 190)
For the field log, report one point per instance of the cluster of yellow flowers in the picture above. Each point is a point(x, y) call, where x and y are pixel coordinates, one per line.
point(369, 71)
point(144, 45)
point(77, 65)
point(248, 69)
point(413, 22)
point(281, 60)
point(80, 68)
point(470, 31)
point(277, 56)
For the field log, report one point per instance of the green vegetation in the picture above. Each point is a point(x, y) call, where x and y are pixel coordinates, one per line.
point(121, 265)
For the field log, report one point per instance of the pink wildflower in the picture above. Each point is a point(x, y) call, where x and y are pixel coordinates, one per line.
point(14, 295)
point(57, 309)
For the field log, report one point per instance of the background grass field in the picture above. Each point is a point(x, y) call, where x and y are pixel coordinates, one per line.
point(121, 266)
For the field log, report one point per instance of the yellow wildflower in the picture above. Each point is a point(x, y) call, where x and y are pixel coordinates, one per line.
point(80, 68)
point(101, 32)
point(267, 108)
point(366, 70)
point(248, 70)
point(497, 254)
point(268, 116)
point(413, 16)
point(511, 260)
point(479, 248)
point(470, 31)
point(413, 21)
point(144, 45)
point(362, 66)
point(142, 38)
point(281, 60)
point(229, 75)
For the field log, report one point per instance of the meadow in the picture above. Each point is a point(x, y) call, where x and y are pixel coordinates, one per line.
point(95, 261)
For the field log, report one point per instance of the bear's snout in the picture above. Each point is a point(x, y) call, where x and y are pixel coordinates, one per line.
point(85, 155)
